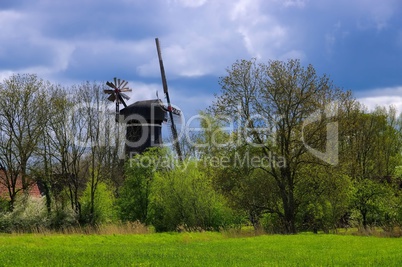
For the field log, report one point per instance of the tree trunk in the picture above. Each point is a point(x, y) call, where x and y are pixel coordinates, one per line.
point(289, 206)
point(364, 215)
point(290, 226)
point(47, 196)
point(255, 219)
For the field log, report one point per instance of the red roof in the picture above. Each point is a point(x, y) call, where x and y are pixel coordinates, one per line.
point(33, 189)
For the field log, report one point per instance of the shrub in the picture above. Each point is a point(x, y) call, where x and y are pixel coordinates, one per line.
point(61, 219)
point(104, 205)
point(29, 214)
point(272, 223)
point(184, 197)
point(4, 205)
point(134, 197)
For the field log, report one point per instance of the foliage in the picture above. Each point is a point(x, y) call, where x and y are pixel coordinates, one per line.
point(328, 200)
point(283, 109)
point(22, 120)
point(371, 199)
point(271, 223)
point(184, 197)
point(4, 205)
point(135, 193)
point(29, 214)
point(104, 209)
point(258, 158)
point(62, 218)
point(271, 104)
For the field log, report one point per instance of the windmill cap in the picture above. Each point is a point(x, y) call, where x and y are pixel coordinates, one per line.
point(148, 109)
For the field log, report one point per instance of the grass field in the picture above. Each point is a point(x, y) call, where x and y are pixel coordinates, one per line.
point(198, 249)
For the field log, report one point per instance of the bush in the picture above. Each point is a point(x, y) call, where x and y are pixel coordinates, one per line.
point(184, 197)
point(272, 223)
point(373, 201)
point(134, 199)
point(61, 219)
point(4, 205)
point(104, 205)
point(29, 215)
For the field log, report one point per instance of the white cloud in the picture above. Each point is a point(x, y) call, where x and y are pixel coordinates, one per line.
point(190, 104)
point(262, 34)
point(336, 34)
point(198, 37)
point(191, 3)
point(295, 3)
point(209, 40)
point(21, 31)
point(378, 11)
point(5, 74)
point(382, 97)
point(143, 91)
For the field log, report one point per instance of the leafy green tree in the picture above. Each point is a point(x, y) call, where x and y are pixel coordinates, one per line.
point(372, 144)
point(134, 197)
point(245, 184)
point(227, 163)
point(327, 201)
point(53, 153)
point(99, 208)
point(371, 200)
point(270, 104)
point(184, 197)
point(370, 152)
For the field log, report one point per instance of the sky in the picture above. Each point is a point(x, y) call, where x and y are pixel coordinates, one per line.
point(358, 43)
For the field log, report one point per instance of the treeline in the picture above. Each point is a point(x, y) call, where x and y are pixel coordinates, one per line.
point(281, 148)
point(64, 140)
point(339, 163)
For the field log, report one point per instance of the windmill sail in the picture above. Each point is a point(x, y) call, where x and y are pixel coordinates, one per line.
point(116, 94)
point(169, 107)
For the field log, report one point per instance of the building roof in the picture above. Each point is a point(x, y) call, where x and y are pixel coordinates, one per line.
point(33, 189)
point(150, 110)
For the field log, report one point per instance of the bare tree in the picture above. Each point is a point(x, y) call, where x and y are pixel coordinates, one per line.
point(103, 141)
point(22, 118)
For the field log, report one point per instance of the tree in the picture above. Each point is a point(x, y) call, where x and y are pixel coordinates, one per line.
point(101, 140)
point(184, 197)
point(22, 121)
point(372, 145)
point(60, 157)
point(277, 108)
point(80, 144)
point(370, 200)
point(229, 164)
point(102, 208)
point(328, 199)
point(134, 197)
point(46, 154)
point(370, 153)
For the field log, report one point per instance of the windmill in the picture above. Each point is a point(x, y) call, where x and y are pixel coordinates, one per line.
point(170, 109)
point(142, 119)
point(117, 93)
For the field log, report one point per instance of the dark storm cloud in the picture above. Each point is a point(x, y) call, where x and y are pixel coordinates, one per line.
point(358, 43)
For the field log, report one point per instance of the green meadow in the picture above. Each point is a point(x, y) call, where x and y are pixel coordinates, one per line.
point(198, 249)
